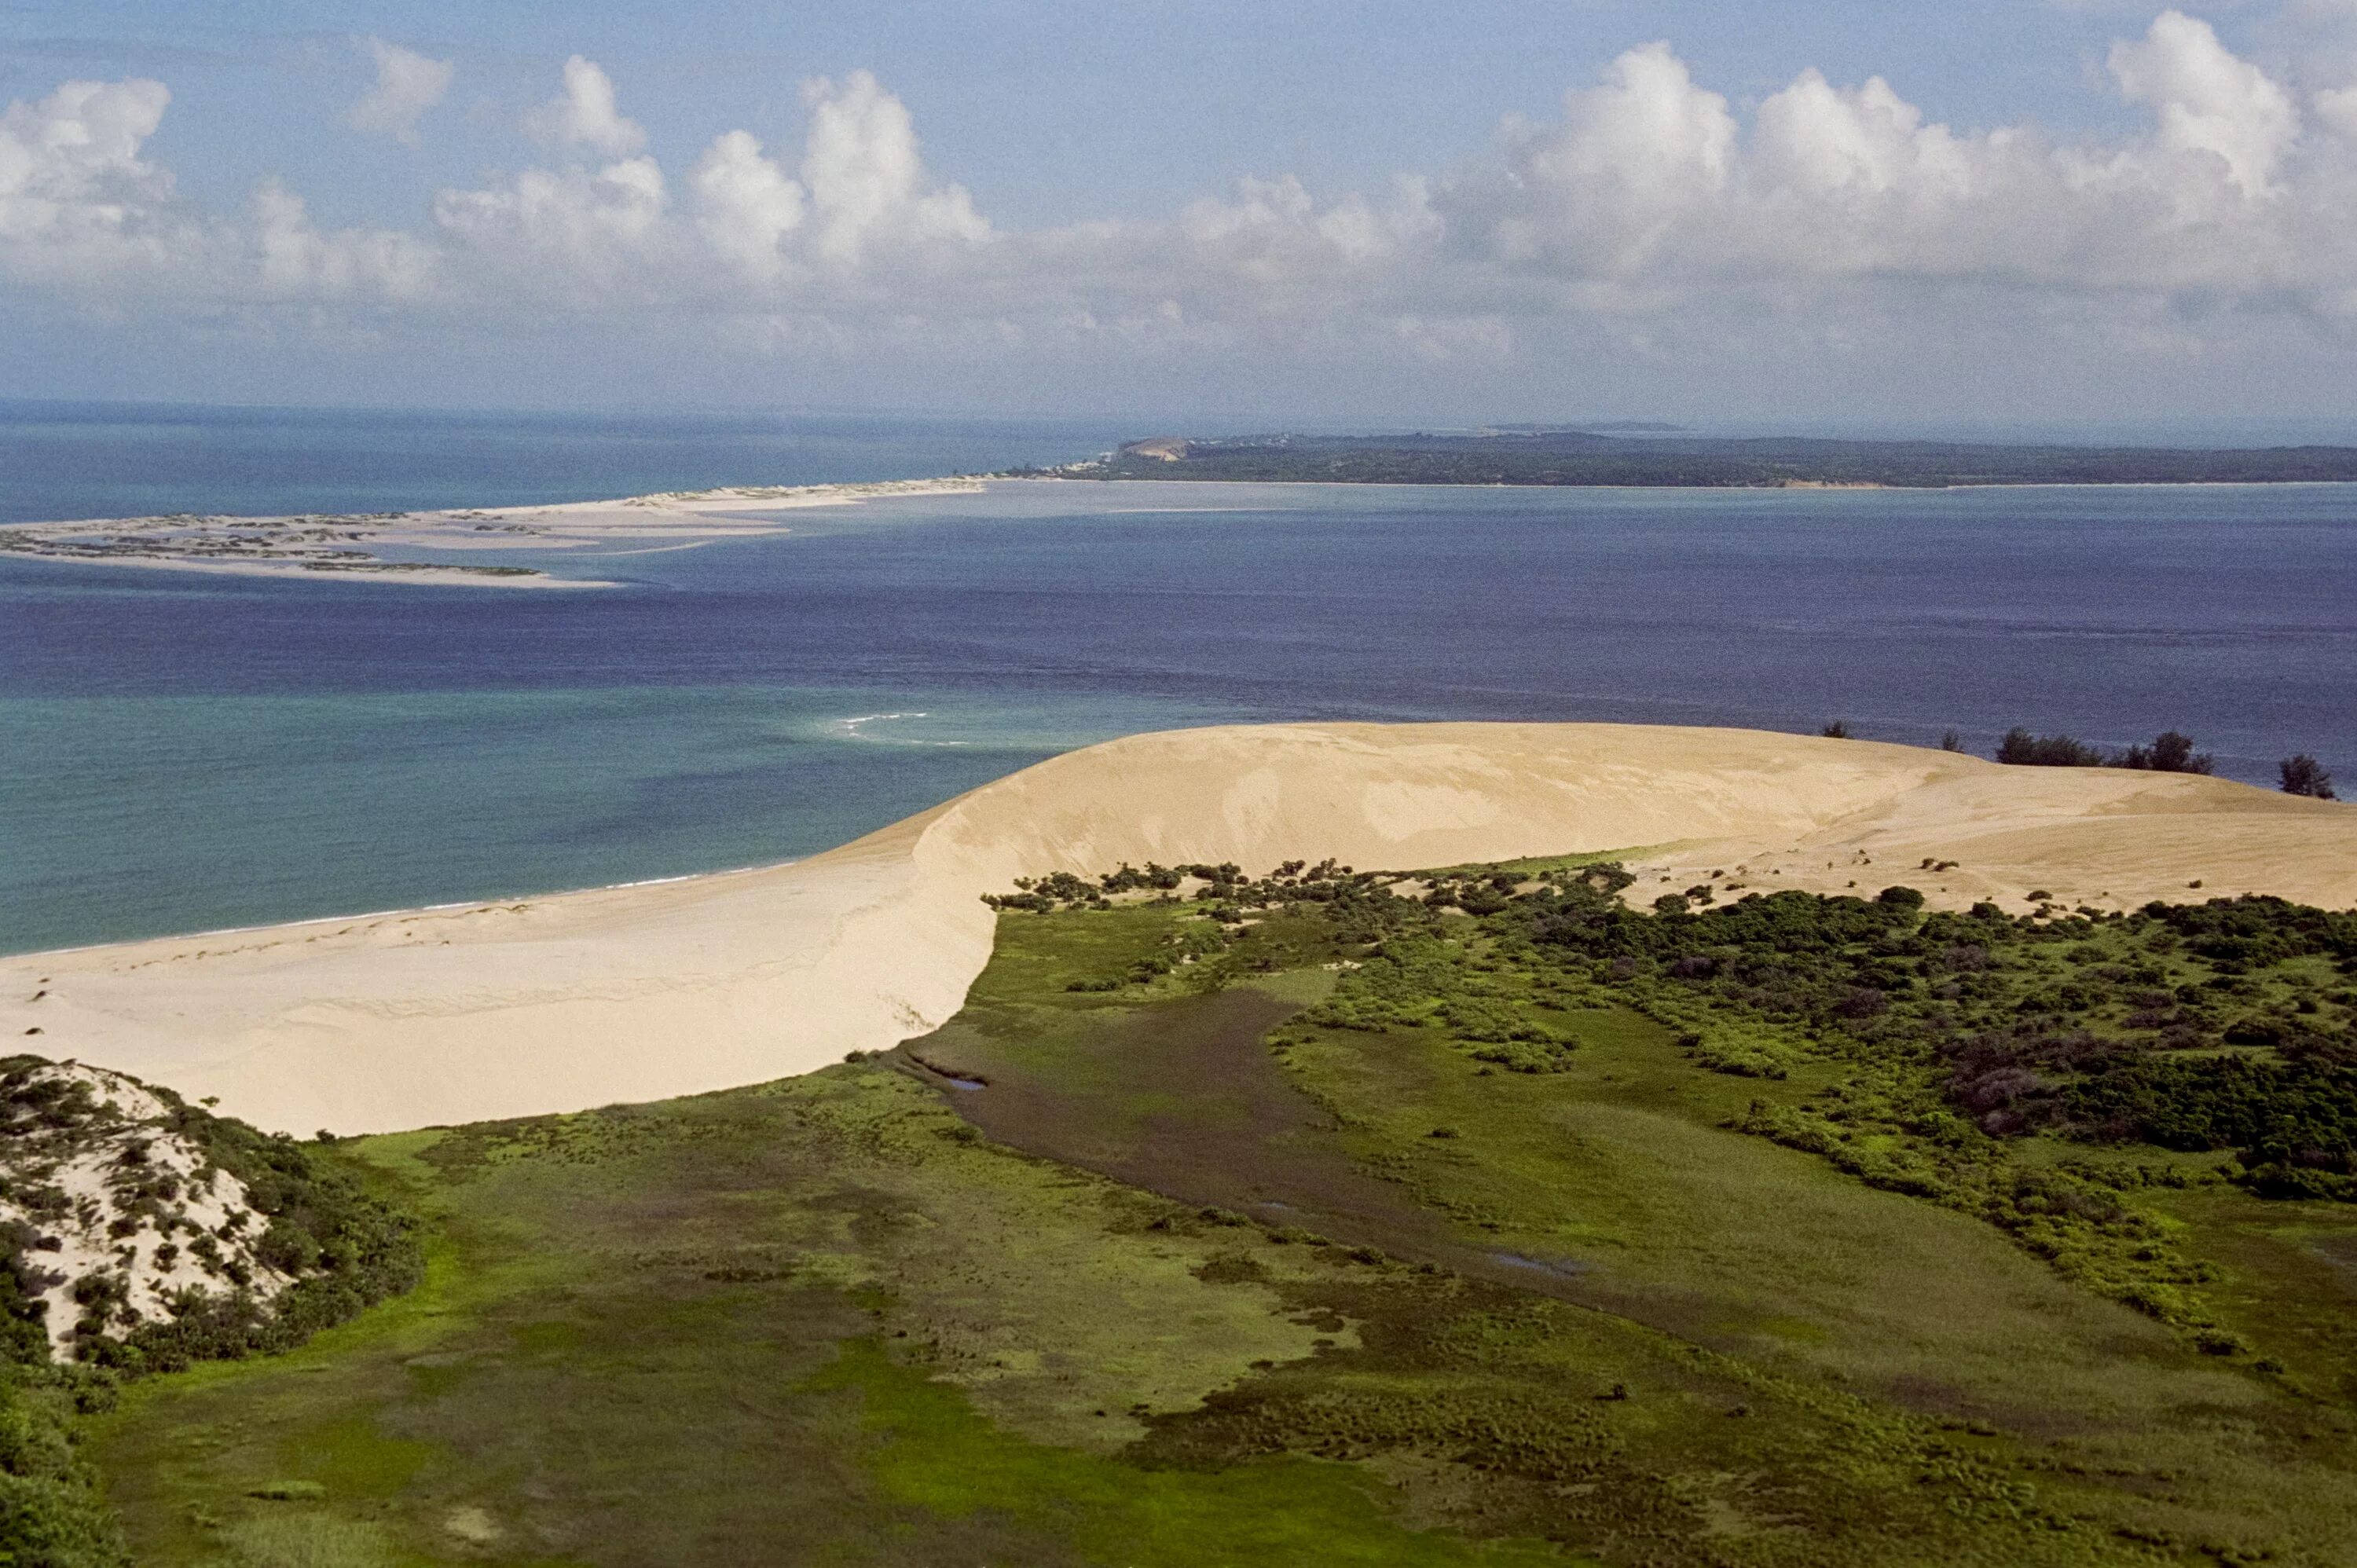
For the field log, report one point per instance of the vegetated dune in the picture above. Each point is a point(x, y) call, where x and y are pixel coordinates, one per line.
point(642, 993)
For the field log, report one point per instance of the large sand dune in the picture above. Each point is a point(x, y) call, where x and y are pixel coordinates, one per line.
point(640, 992)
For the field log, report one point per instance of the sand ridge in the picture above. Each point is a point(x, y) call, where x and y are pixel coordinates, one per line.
point(582, 999)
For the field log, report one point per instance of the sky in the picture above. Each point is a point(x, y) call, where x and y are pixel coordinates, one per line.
point(1990, 215)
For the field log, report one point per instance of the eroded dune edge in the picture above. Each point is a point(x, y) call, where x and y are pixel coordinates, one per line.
point(632, 993)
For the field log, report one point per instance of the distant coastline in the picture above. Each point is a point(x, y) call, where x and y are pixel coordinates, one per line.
point(1600, 458)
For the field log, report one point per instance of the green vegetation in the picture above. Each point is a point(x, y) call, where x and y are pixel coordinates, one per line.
point(2303, 774)
point(51, 1512)
point(816, 1321)
point(1601, 457)
point(1288, 1218)
point(2020, 749)
point(2170, 752)
point(338, 1248)
point(299, 1217)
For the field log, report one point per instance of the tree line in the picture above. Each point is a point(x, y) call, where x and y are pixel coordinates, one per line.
point(2169, 752)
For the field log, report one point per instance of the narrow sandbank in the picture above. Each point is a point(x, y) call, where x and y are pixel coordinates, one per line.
point(556, 1003)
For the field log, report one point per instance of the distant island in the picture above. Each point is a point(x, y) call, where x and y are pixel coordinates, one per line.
point(1648, 456)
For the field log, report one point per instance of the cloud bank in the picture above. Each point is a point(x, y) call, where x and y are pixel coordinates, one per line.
point(1652, 213)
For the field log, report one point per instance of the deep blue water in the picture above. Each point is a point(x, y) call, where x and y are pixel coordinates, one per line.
point(181, 752)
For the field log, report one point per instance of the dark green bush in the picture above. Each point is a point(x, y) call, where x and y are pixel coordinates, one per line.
point(52, 1514)
point(2020, 748)
point(2169, 753)
point(2303, 774)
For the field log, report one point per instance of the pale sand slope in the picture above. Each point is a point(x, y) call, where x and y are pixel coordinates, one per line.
point(642, 993)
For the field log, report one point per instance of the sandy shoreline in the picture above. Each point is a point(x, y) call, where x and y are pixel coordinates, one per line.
point(406, 1018)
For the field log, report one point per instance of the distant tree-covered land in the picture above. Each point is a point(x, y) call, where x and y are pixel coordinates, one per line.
point(1596, 457)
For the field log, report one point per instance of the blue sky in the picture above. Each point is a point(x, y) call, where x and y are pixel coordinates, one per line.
point(2060, 211)
point(1042, 101)
point(1056, 111)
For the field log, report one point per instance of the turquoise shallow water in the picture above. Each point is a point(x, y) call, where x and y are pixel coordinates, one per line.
point(182, 753)
point(131, 815)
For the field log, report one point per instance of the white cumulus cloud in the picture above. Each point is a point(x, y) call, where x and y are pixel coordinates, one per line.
point(867, 177)
point(745, 204)
point(407, 85)
point(1829, 141)
point(861, 197)
point(585, 114)
point(2209, 101)
point(78, 203)
point(1631, 155)
point(1650, 190)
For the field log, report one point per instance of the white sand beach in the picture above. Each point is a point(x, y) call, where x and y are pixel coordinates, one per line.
point(582, 999)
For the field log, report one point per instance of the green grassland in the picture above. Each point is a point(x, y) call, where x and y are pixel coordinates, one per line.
point(1300, 1223)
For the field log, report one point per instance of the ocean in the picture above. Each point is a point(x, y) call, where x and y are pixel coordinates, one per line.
point(181, 752)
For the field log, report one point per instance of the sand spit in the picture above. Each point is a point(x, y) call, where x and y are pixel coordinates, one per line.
point(348, 547)
point(583, 999)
